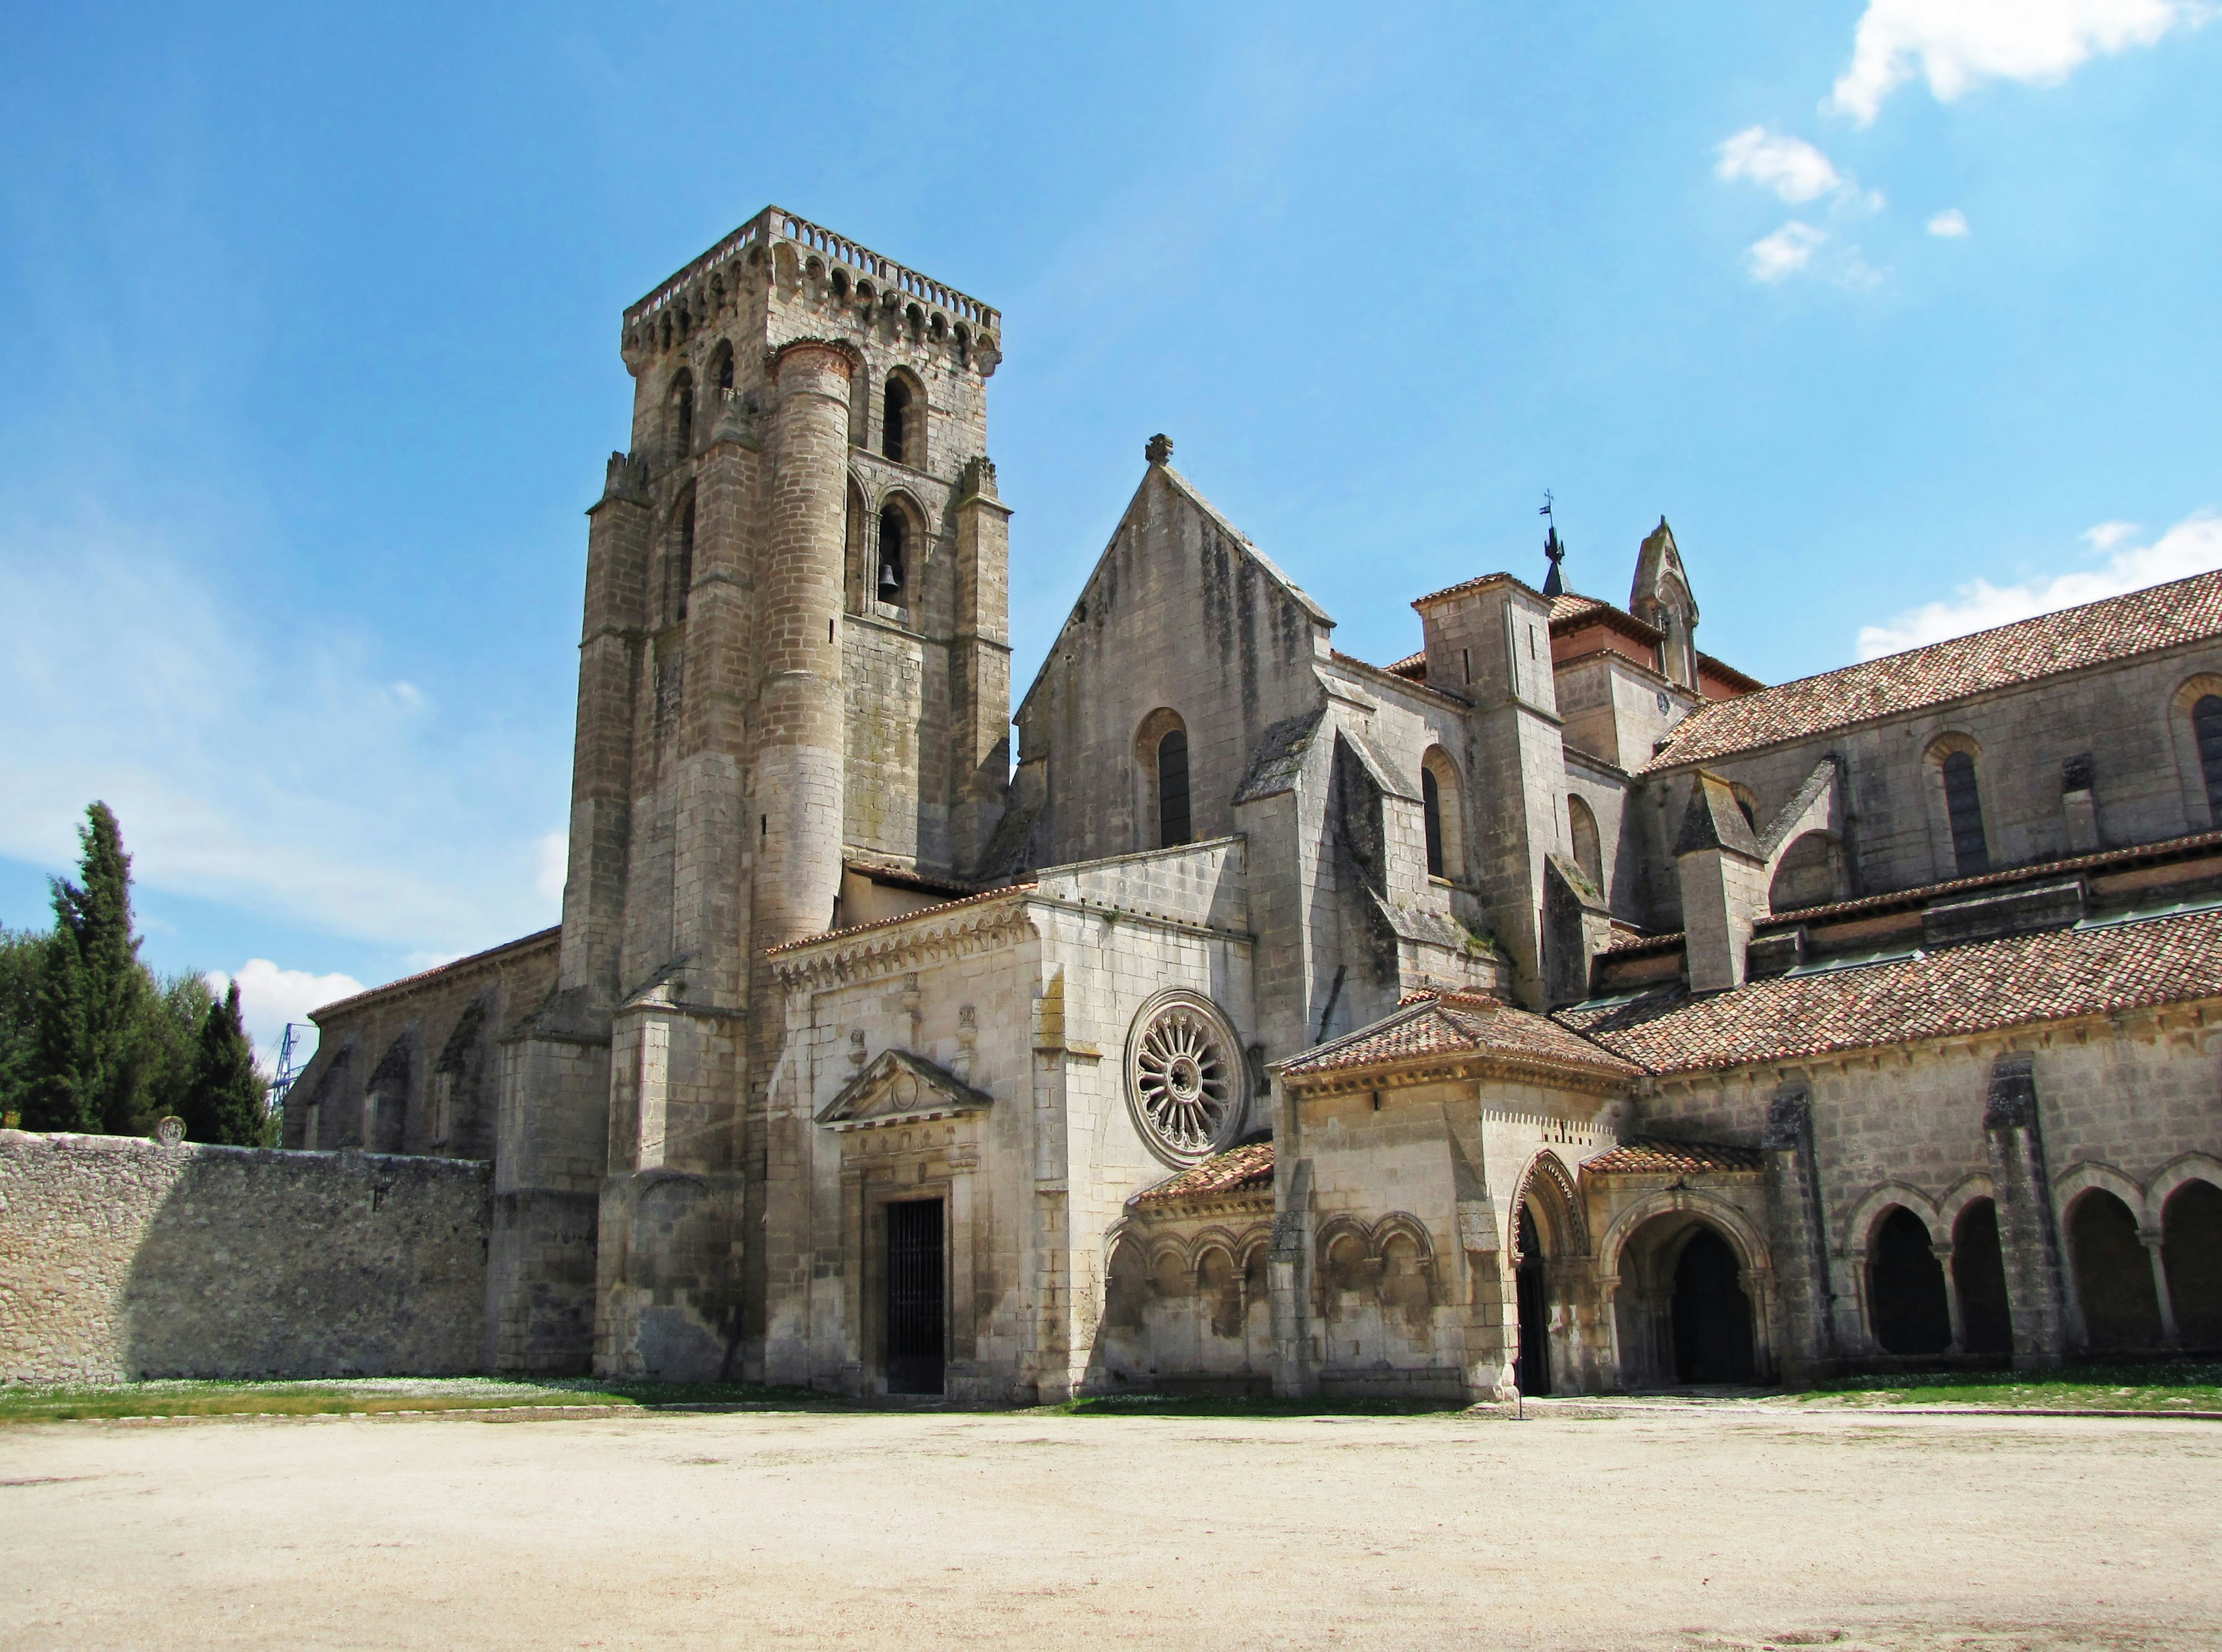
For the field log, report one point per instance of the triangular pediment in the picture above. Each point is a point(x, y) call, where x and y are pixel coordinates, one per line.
point(896, 1087)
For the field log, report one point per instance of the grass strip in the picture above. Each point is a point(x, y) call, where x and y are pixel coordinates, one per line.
point(373, 1395)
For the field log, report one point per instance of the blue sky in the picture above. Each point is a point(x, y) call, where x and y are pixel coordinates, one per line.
point(1902, 313)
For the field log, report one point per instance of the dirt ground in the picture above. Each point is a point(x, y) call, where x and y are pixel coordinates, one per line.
point(1679, 1528)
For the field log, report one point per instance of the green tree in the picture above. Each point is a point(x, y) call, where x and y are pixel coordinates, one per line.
point(93, 994)
point(225, 1102)
point(21, 956)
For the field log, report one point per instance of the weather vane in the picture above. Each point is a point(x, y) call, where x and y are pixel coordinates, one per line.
point(1555, 548)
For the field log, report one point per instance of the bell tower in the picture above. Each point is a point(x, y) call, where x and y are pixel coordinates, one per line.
point(794, 664)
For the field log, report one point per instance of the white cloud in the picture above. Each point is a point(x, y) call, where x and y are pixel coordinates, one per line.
point(269, 997)
point(278, 773)
point(1790, 166)
point(1951, 223)
point(1785, 252)
point(1957, 44)
point(2192, 546)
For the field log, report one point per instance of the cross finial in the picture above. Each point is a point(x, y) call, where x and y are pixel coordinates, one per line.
point(1159, 449)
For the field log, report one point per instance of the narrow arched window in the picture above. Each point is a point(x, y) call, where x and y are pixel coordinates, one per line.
point(679, 569)
point(682, 415)
point(895, 422)
point(721, 367)
point(1964, 804)
point(888, 585)
point(1172, 789)
point(2206, 725)
point(1431, 810)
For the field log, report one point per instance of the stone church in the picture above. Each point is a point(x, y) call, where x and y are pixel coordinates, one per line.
point(1555, 1008)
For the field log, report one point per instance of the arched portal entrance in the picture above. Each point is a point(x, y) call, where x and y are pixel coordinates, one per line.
point(2114, 1275)
point(2191, 1226)
point(1906, 1287)
point(1979, 1270)
point(1685, 1308)
point(1533, 1288)
point(1712, 1315)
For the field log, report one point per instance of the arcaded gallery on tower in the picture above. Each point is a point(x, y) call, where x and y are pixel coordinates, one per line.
point(1556, 1007)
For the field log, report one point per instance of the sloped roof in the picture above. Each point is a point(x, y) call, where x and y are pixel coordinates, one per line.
point(1653, 1156)
point(1979, 988)
point(1429, 1025)
point(1245, 1168)
point(2162, 616)
point(453, 966)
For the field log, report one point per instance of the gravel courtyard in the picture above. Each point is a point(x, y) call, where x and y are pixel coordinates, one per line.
point(1674, 1529)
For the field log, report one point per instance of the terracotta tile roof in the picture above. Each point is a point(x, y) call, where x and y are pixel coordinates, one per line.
point(1962, 989)
point(1434, 1024)
point(2100, 861)
point(2163, 616)
point(1414, 666)
point(523, 943)
point(1651, 1156)
point(1245, 1168)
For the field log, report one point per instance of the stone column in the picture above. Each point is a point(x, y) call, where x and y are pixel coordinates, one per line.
point(601, 759)
point(2170, 1336)
point(1944, 1254)
point(801, 721)
point(979, 668)
point(2034, 1294)
point(1800, 1233)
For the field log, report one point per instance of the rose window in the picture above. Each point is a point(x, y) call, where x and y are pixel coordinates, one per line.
point(1184, 1077)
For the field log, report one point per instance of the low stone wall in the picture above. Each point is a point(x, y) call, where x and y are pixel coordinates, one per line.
point(122, 1259)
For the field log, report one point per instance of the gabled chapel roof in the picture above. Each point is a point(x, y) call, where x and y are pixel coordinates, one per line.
point(1433, 1025)
point(1245, 1169)
point(2141, 622)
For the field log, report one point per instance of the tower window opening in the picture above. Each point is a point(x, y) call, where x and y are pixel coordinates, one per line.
point(1172, 789)
point(1964, 804)
point(721, 367)
point(894, 424)
point(682, 415)
point(682, 564)
point(890, 583)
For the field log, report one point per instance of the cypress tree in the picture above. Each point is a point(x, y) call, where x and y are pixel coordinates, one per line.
point(83, 1076)
point(56, 1095)
point(225, 1101)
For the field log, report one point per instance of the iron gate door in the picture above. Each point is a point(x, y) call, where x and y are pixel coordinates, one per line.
point(915, 1314)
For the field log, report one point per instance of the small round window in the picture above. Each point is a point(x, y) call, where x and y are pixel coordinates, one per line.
point(1185, 1079)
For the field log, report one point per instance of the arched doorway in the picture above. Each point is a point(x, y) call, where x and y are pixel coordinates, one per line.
point(1533, 1374)
point(2114, 1275)
point(1979, 1274)
point(1711, 1316)
point(1906, 1287)
point(2191, 1240)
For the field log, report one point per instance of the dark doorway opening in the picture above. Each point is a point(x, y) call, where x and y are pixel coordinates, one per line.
point(2113, 1274)
point(1533, 1371)
point(1906, 1287)
point(1712, 1316)
point(2191, 1240)
point(1979, 1270)
point(916, 1319)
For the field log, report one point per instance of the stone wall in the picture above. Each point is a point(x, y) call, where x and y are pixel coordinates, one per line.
point(127, 1259)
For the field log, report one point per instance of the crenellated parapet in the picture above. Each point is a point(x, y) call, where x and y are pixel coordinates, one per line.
point(850, 284)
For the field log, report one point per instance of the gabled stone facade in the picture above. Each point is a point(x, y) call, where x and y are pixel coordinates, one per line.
point(1557, 1007)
